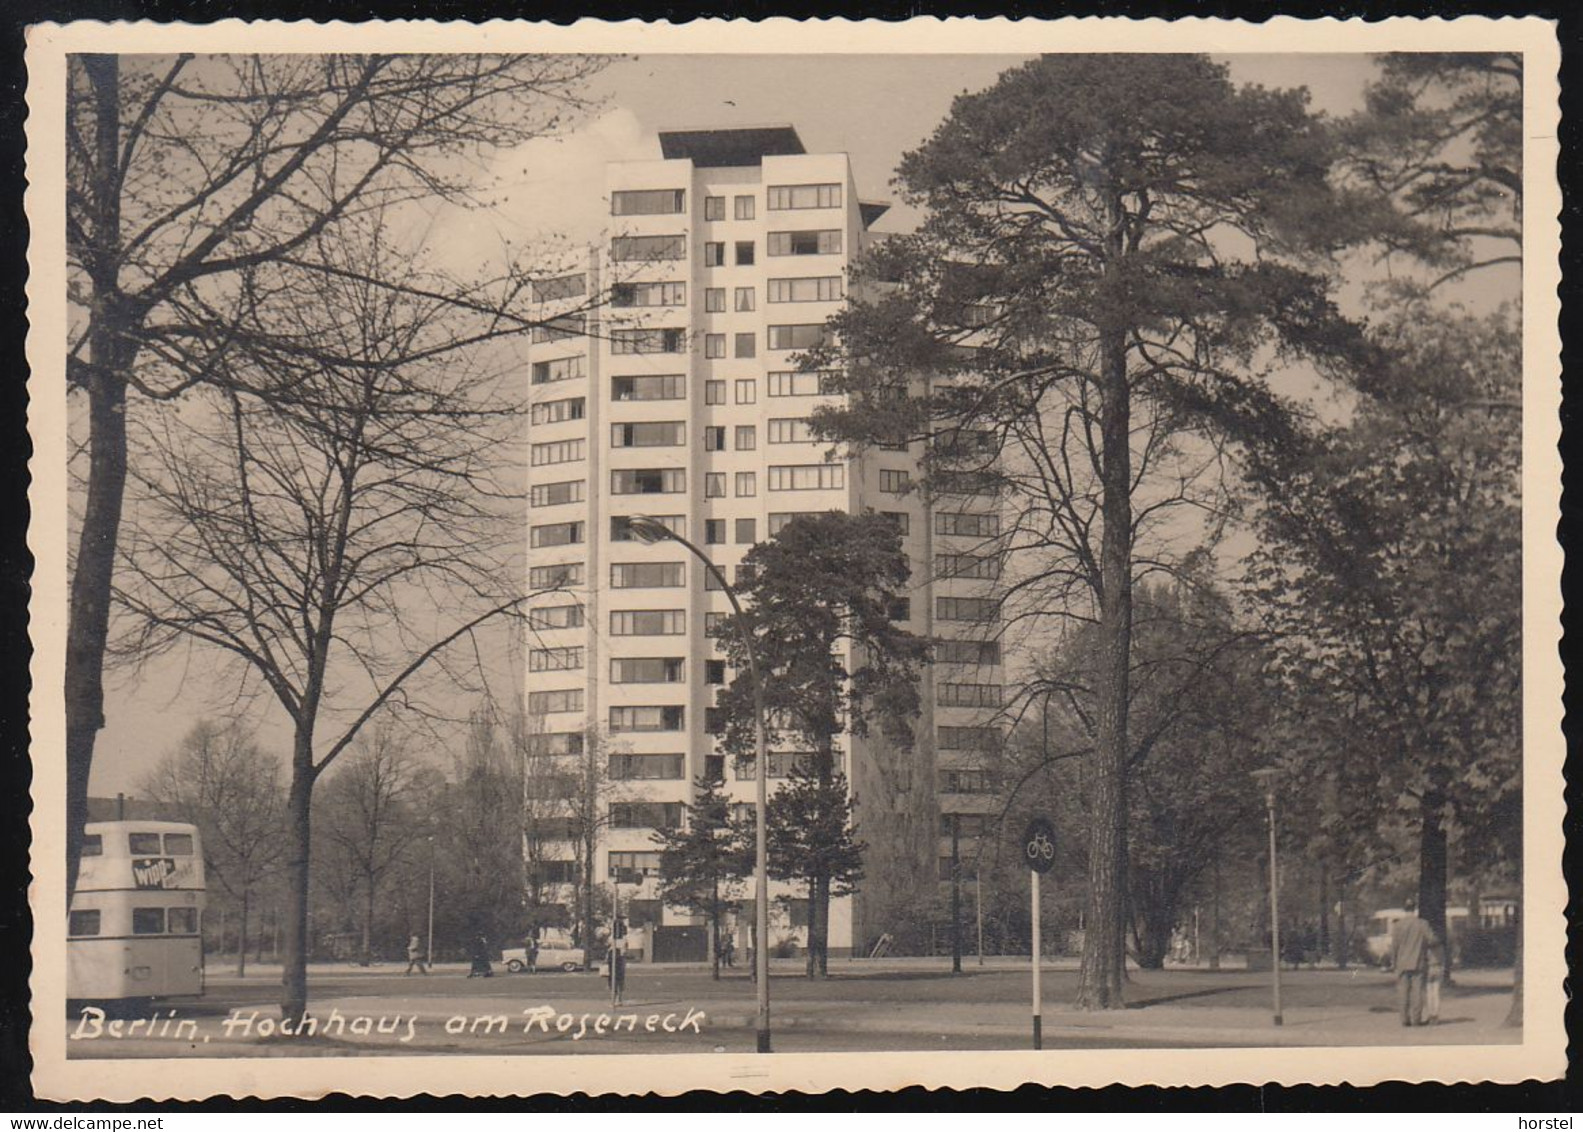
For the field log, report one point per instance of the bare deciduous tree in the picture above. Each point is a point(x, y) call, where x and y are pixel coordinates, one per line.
point(369, 820)
point(230, 788)
point(337, 542)
point(185, 174)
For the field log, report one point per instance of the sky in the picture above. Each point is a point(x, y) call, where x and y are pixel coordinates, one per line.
point(872, 107)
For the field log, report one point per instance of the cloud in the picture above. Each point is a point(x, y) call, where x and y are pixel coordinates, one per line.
point(547, 192)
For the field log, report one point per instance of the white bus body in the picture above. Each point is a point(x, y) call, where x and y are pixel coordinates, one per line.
point(136, 919)
point(1378, 940)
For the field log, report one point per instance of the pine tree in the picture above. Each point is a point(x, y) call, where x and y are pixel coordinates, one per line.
point(701, 860)
point(1114, 247)
point(820, 595)
point(812, 839)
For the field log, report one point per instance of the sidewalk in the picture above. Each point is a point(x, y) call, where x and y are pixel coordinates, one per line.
point(1363, 1013)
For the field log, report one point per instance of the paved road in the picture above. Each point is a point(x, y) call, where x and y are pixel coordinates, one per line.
point(899, 1006)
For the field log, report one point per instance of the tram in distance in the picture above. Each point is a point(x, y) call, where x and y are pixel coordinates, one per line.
point(135, 926)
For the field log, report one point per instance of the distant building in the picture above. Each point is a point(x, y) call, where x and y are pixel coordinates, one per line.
point(681, 401)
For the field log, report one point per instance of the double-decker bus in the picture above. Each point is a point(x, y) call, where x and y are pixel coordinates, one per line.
point(135, 927)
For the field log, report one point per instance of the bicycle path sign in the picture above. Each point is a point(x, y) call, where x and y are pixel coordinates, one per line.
point(1038, 845)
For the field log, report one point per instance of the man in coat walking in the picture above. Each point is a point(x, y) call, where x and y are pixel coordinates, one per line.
point(1412, 940)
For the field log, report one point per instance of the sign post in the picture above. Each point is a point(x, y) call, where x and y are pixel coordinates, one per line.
point(1038, 846)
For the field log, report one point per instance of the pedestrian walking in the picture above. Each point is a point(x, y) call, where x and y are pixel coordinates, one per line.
point(416, 957)
point(480, 954)
point(616, 972)
point(1412, 942)
point(533, 955)
point(728, 952)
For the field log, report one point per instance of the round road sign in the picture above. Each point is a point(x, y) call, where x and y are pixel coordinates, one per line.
point(1038, 845)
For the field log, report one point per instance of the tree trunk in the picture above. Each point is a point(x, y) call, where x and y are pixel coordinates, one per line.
point(111, 351)
point(1514, 1015)
point(1432, 872)
point(714, 921)
point(294, 973)
point(1323, 943)
point(1103, 966)
point(818, 903)
point(368, 924)
point(586, 912)
point(1342, 936)
point(1154, 939)
point(241, 938)
point(1214, 917)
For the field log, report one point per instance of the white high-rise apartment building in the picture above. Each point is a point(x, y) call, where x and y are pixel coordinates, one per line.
point(680, 400)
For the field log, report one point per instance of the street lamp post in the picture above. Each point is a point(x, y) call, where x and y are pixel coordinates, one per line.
point(956, 894)
point(1266, 778)
point(651, 530)
point(429, 954)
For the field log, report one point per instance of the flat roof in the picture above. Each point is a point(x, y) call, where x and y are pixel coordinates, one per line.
point(719, 148)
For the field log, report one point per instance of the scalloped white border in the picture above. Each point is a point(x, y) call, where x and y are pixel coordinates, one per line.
point(1542, 1053)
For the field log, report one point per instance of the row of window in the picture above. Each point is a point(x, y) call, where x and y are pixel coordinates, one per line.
point(550, 703)
point(560, 329)
point(669, 670)
point(656, 717)
point(648, 295)
point(646, 574)
point(715, 485)
point(743, 345)
point(559, 287)
point(555, 660)
point(648, 340)
point(968, 738)
point(966, 609)
point(986, 566)
point(622, 530)
point(673, 340)
point(141, 844)
point(671, 247)
point(558, 743)
point(673, 202)
point(967, 652)
point(555, 412)
point(809, 289)
point(968, 695)
point(966, 483)
point(666, 387)
point(742, 207)
point(966, 782)
point(145, 921)
point(554, 494)
point(893, 482)
point(670, 766)
point(967, 825)
point(673, 481)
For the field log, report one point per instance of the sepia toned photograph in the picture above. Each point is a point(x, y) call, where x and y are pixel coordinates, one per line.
point(635, 558)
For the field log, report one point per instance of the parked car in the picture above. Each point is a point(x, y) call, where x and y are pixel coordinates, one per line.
point(552, 956)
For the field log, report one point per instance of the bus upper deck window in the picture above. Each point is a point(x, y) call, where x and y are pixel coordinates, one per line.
point(143, 843)
point(148, 921)
point(178, 845)
point(93, 845)
point(183, 921)
point(85, 922)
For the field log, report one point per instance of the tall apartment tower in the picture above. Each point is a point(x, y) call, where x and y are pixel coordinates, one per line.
point(680, 400)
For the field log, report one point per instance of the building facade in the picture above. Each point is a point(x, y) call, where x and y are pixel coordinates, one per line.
point(679, 399)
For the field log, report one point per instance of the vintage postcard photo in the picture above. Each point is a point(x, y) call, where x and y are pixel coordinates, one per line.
point(633, 558)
